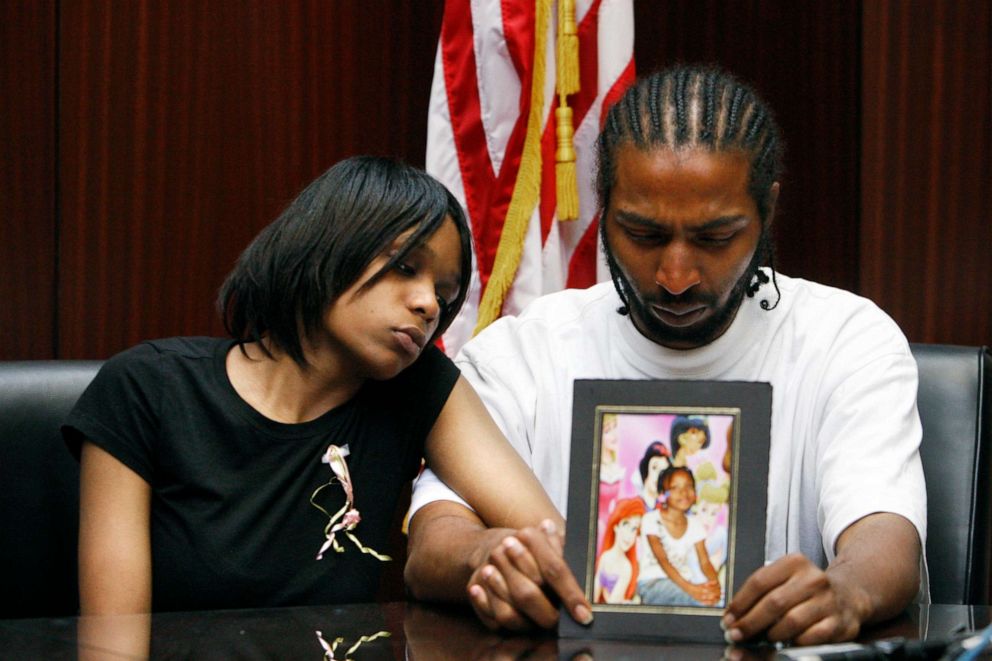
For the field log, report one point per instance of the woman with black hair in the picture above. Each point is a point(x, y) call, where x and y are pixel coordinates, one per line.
point(264, 469)
point(654, 462)
point(689, 435)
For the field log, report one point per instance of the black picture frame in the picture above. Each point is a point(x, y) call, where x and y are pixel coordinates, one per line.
point(628, 413)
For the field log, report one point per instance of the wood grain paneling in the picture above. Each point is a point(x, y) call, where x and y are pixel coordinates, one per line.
point(926, 179)
point(186, 127)
point(27, 179)
point(803, 58)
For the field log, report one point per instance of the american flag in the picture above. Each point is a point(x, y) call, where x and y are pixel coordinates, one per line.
point(496, 150)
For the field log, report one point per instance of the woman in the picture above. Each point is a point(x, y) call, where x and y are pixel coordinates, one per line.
point(689, 435)
point(214, 471)
point(654, 462)
point(615, 580)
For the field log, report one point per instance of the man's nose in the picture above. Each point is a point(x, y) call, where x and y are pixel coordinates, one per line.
point(677, 272)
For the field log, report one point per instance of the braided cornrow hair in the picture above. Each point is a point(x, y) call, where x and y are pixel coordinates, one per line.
point(695, 106)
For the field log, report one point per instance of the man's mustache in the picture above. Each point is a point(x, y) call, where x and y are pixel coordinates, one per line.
point(681, 300)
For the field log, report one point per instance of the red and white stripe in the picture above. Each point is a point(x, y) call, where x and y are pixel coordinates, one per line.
point(476, 127)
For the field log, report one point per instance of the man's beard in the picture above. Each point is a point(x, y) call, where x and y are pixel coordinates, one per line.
point(697, 335)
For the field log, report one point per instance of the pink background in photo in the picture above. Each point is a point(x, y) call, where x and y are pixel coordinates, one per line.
point(636, 431)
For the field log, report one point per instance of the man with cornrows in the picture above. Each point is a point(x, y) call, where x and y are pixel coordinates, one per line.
point(690, 161)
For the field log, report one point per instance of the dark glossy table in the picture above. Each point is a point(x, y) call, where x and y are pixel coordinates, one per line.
point(415, 631)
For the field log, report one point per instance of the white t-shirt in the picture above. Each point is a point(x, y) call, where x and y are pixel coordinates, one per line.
point(845, 430)
point(680, 550)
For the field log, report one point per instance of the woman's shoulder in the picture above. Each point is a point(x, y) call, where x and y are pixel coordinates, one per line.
point(414, 397)
point(432, 368)
point(152, 357)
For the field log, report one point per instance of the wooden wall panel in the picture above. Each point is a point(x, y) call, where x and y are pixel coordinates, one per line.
point(186, 127)
point(27, 179)
point(926, 240)
point(803, 58)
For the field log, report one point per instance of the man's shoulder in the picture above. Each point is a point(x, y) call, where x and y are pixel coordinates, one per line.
point(839, 326)
point(809, 292)
point(554, 316)
point(818, 304)
point(570, 302)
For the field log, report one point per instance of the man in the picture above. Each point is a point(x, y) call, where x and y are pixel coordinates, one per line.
point(689, 164)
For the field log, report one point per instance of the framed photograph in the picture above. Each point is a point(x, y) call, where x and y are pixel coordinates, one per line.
point(668, 487)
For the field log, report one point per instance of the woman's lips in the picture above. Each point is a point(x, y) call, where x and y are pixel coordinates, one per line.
point(678, 317)
point(411, 339)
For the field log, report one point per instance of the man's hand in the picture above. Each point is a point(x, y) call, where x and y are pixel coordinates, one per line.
point(794, 600)
point(520, 581)
point(514, 578)
point(874, 576)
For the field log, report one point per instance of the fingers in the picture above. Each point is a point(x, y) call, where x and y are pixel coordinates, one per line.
point(760, 583)
point(555, 536)
point(789, 600)
point(521, 559)
point(546, 545)
point(494, 610)
point(507, 592)
point(516, 588)
point(807, 623)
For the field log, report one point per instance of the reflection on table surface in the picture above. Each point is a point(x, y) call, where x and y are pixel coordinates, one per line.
point(415, 632)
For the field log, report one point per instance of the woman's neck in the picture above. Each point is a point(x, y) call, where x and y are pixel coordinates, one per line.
point(281, 390)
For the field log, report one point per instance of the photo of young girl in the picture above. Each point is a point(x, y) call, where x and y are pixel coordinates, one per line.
point(672, 539)
point(616, 574)
point(673, 463)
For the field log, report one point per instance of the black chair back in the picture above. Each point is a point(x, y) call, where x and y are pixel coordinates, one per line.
point(955, 402)
point(39, 487)
point(39, 480)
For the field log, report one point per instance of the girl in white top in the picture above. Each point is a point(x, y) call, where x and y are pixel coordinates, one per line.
point(671, 536)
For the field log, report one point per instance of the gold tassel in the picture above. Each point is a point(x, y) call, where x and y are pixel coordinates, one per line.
point(566, 183)
point(568, 48)
point(526, 190)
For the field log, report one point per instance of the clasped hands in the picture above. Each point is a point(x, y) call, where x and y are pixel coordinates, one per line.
point(519, 584)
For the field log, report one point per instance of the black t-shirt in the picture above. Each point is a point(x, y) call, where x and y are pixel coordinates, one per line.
point(231, 520)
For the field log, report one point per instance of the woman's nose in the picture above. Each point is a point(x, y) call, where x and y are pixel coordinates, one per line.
point(424, 301)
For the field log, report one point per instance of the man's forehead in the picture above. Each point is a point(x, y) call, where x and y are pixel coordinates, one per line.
point(700, 163)
point(664, 185)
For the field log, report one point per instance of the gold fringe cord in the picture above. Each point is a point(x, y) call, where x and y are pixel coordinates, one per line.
point(526, 190)
point(566, 183)
point(568, 48)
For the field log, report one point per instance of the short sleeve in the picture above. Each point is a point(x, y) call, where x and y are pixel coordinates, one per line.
point(869, 462)
point(426, 385)
point(415, 398)
point(429, 488)
point(118, 411)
